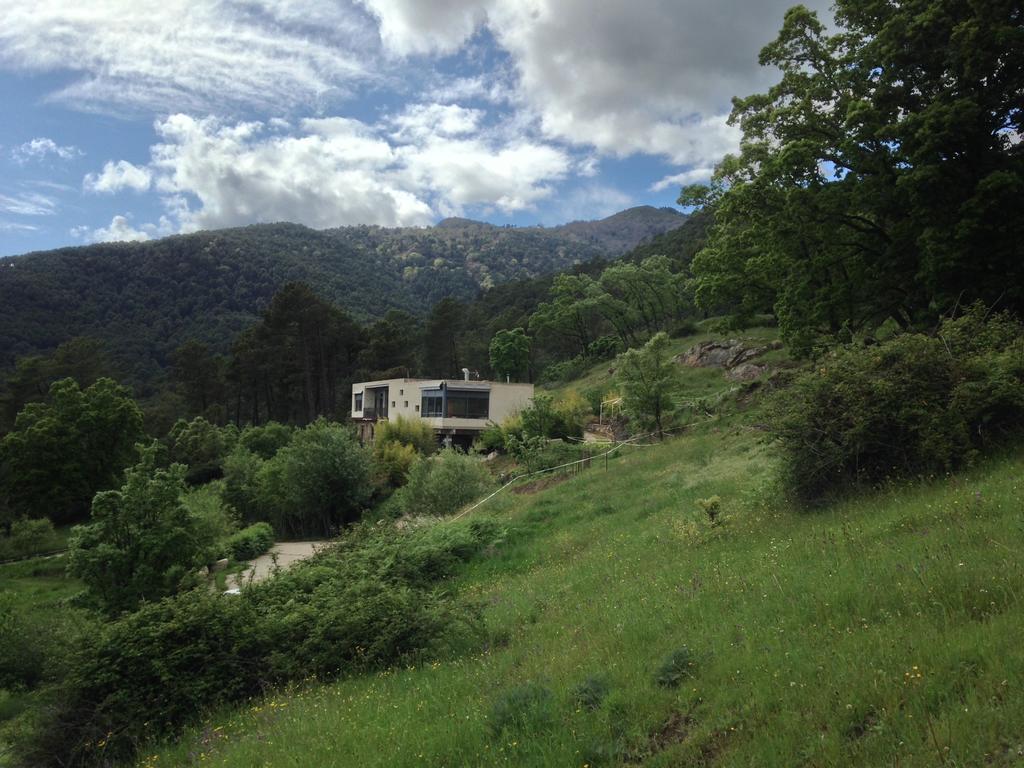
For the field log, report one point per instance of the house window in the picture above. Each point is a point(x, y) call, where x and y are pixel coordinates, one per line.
point(392, 403)
point(467, 405)
point(357, 401)
point(433, 403)
point(406, 404)
point(417, 409)
point(401, 391)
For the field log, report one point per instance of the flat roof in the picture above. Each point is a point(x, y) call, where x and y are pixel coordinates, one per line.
point(449, 383)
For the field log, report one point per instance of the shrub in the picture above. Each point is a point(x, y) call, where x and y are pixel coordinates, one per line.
point(317, 483)
point(543, 418)
point(29, 537)
point(201, 446)
point(266, 440)
point(444, 483)
point(913, 405)
point(414, 432)
point(712, 507)
point(491, 439)
point(591, 693)
point(142, 542)
point(392, 463)
point(682, 329)
point(566, 370)
point(251, 542)
point(213, 520)
point(368, 601)
point(677, 666)
point(241, 468)
point(604, 348)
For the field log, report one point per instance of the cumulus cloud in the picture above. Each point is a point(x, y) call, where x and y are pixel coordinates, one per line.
point(117, 176)
point(41, 148)
point(120, 230)
point(327, 172)
point(625, 77)
point(175, 54)
point(693, 176)
point(28, 204)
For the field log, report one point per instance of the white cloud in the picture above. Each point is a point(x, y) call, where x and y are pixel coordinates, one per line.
point(181, 54)
point(692, 176)
point(120, 230)
point(13, 226)
point(28, 204)
point(117, 176)
point(40, 148)
point(428, 160)
point(624, 77)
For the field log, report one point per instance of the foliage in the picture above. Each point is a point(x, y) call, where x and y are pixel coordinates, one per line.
point(29, 537)
point(62, 451)
point(875, 177)
point(316, 484)
point(200, 446)
point(492, 438)
point(564, 370)
point(267, 439)
point(368, 602)
point(392, 463)
point(142, 544)
point(913, 405)
point(212, 519)
point(443, 483)
point(250, 542)
point(711, 507)
point(591, 693)
point(547, 419)
point(241, 472)
point(649, 379)
point(414, 432)
point(510, 353)
point(677, 666)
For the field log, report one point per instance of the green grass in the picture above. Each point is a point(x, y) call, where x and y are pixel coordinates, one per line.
point(882, 631)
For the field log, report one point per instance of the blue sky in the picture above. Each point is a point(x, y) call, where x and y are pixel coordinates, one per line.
point(136, 119)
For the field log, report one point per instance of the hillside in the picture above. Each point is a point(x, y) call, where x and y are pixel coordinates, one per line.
point(625, 629)
point(144, 299)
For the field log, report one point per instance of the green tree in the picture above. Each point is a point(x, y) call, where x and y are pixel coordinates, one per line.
point(201, 446)
point(317, 483)
point(510, 353)
point(441, 342)
point(142, 542)
point(62, 451)
point(200, 375)
point(649, 379)
point(874, 180)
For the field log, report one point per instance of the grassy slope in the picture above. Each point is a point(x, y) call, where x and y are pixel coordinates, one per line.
point(883, 631)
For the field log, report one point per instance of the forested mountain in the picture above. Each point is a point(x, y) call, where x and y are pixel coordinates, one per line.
point(143, 300)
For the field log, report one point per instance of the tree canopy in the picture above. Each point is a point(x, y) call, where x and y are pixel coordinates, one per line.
point(875, 181)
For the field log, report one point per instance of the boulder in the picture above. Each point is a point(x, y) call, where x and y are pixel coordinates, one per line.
point(746, 372)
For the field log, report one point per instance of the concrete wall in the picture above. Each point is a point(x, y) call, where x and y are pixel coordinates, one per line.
point(404, 396)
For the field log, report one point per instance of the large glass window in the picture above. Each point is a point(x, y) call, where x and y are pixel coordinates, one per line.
point(432, 404)
point(467, 405)
point(357, 401)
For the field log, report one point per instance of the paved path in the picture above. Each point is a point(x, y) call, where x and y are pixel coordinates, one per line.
point(286, 552)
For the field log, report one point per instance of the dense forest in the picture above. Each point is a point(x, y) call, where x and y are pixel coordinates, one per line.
point(143, 300)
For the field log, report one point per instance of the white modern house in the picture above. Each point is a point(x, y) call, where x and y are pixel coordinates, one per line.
point(457, 409)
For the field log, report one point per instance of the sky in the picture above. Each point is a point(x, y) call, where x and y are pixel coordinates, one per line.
point(137, 119)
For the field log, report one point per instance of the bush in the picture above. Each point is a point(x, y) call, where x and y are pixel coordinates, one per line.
point(443, 483)
point(316, 484)
point(29, 537)
point(604, 348)
point(677, 666)
point(491, 439)
point(392, 463)
point(414, 432)
point(142, 543)
point(251, 542)
point(682, 329)
point(201, 446)
point(566, 370)
point(266, 440)
point(368, 601)
point(212, 519)
point(543, 418)
point(241, 468)
point(913, 405)
point(591, 693)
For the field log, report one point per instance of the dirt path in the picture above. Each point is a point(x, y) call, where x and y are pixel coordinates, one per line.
point(285, 553)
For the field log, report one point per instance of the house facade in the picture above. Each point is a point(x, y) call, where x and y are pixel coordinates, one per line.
point(457, 409)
